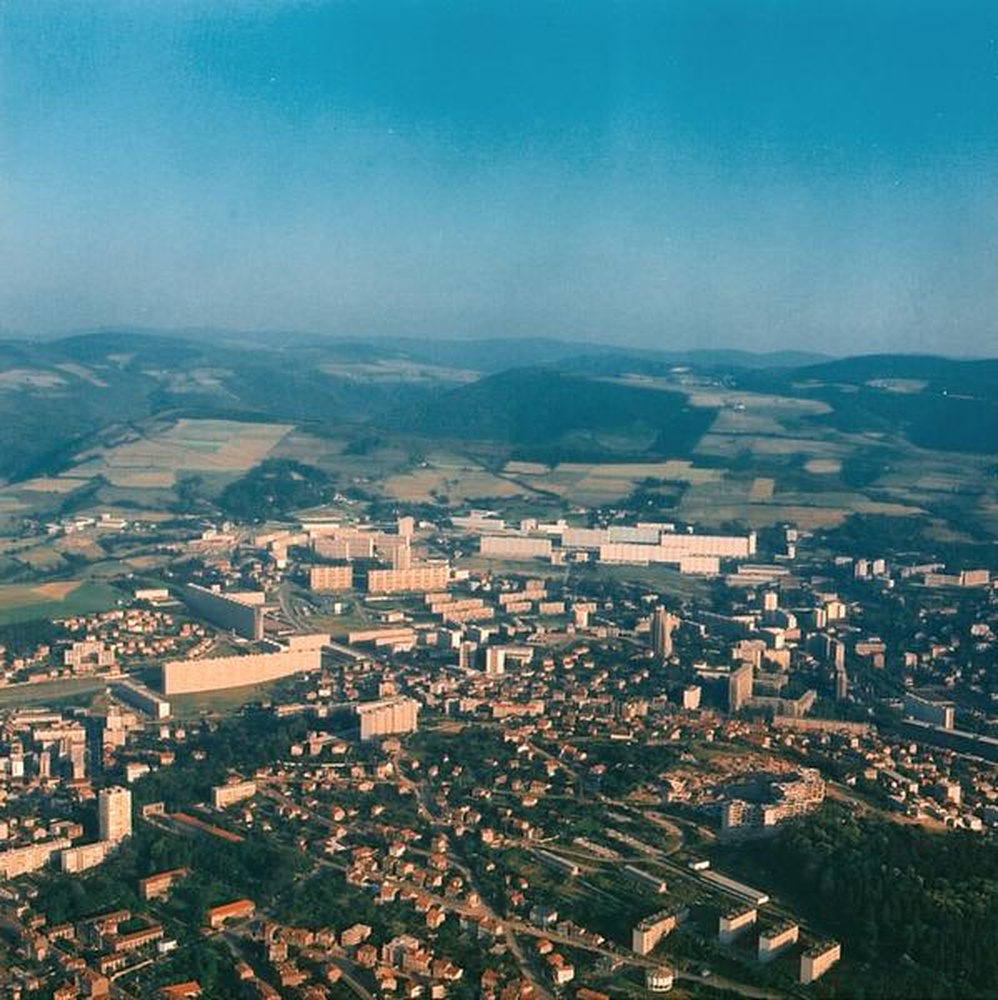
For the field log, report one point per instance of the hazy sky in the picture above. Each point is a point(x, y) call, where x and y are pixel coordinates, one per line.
point(745, 173)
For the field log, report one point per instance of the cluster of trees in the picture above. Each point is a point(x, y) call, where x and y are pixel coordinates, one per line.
point(898, 897)
point(273, 488)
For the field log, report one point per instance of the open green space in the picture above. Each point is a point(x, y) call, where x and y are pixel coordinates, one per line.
point(25, 602)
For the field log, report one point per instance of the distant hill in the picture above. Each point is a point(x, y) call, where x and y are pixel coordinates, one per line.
point(548, 415)
point(939, 403)
point(58, 395)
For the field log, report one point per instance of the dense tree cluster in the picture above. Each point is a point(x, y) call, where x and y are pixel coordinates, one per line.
point(897, 896)
point(273, 488)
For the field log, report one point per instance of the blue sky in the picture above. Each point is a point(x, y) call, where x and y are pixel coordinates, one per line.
point(816, 175)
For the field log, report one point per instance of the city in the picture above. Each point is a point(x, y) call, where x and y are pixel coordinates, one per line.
point(498, 501)
point(474, 766)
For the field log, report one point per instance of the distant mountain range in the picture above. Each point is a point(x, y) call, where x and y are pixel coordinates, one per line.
point(535, 398)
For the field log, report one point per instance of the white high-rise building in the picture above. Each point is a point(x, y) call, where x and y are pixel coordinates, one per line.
point(114, 810)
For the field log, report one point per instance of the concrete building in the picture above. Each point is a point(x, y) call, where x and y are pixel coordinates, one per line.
point(85, 657)
point(779, 800)
point(158, 885)
point(73, 860)
point(775, 940)
point(818, 959)
point(114, 813)
point(241, 614)
point(841, 684)
point(21, 860)
point(647, 933)
point(739, 687)
point(137, 695)
point(415, 580)
point(350, 545)
point(217, 673)
point(495, 661)
point(659, 979)
point(691, 696)
point(223, 796)
point(387, 717)
point(330, 579)
point(239, 909)
point(925, 708)
point(514, 547)
point(663, 625)
point(733, 924)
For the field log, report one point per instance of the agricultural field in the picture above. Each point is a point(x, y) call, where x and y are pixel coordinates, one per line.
point(398, 370)
point(604, 482)
point(458, 479)
point(154, 460)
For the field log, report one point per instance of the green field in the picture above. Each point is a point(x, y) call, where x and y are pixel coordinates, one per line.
point(62, 599)
point(190, 706)
point(78, 690)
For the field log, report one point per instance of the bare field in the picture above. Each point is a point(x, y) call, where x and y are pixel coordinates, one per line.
point(673, 469)
point(58, 484)
point(526, 469)
point(889, 509)
point(733, 445)
point(747, 422)
point(56, 591)
point(823, 466)
point(29, 378)
point(762, 489)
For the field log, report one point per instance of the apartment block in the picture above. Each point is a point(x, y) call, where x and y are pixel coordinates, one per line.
point(223, 796)
point(777, 939)
point(818, 959)
point(735, 923)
